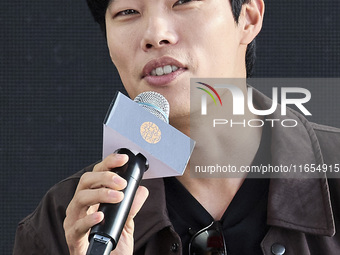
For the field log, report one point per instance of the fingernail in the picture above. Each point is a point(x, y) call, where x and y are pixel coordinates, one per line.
point(115, 194)
point(119, 180)
point(122, 156)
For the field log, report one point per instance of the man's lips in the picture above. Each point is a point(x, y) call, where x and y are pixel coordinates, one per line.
point(162, 66)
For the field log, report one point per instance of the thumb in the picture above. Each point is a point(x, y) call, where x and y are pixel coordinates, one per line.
point(125, 244)
point(140, 198)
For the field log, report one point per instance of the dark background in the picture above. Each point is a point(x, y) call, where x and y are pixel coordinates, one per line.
point(57, 81)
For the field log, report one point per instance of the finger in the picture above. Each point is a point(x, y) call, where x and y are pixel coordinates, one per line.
point(84, 199)
point(93, 180)
point(140, 198)
point(76, 230)
point(89, 197)
point(112, 161)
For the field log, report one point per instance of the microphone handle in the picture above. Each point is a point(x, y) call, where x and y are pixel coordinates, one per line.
point(104, 236)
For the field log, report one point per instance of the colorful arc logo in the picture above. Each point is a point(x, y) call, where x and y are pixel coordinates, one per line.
point(209, 93)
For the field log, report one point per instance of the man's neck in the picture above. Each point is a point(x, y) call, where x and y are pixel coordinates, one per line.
point(236, 145)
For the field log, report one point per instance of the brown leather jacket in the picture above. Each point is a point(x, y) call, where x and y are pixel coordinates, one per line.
point(303, 214)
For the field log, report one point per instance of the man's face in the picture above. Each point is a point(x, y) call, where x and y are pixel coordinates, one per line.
point(159, 45)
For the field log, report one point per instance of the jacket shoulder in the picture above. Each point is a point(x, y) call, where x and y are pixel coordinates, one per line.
point(326, 129)
point(329, 141)
point(42, 231)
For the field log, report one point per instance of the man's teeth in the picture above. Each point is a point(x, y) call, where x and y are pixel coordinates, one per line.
point(163, 70)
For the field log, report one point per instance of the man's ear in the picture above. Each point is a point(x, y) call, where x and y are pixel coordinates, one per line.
point(251, 19)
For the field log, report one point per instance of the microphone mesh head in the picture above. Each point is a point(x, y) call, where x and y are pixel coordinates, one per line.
point(154, 103)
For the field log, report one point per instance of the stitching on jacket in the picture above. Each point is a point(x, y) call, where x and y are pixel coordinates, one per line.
point(325, 128)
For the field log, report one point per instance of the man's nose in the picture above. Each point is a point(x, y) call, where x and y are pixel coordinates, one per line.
point(159, 32)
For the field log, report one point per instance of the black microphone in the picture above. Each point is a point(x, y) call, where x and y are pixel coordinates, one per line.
point(104, 236)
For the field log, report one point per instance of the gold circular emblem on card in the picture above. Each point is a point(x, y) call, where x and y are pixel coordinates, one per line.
point(150, 132)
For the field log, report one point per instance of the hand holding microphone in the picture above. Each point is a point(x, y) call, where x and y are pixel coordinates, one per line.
point(100, 186)
point(110, 220)
point(105, 235)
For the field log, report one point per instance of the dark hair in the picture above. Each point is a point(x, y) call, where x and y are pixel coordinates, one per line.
point(98, 10)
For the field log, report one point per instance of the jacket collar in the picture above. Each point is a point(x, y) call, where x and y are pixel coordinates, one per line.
point(294, 201)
